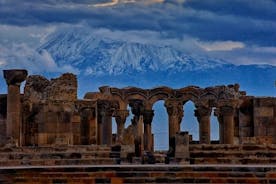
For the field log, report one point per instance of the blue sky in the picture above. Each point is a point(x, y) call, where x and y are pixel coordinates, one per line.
point(238, 31)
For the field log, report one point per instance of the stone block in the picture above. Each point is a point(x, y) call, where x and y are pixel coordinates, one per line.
point(76, 119)
point(264, 112)
point(42, 138)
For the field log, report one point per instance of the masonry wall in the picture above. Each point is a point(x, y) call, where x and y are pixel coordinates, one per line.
point(3, 117)
point(265, 119)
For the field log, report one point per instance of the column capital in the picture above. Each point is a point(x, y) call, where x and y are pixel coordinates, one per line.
point(136, 107)
point(121, 115)
point(104, 108)
point(87, 112)
point(174, 107)
point(225, 111)
point(203, 111)
point(148, 116)
point(15, 77)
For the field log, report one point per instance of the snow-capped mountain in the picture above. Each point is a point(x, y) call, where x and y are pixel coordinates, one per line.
point(114, 62)
point(96, 56)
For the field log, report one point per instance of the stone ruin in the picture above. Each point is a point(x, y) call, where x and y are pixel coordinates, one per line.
point(48, 125)
point(49, 113)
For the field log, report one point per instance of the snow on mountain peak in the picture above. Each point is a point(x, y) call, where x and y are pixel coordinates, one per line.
point(98, 56)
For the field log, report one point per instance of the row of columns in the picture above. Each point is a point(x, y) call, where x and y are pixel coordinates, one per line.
point(225, 115)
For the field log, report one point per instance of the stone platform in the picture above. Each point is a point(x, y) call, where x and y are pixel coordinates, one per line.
point(139, 174)
point(111, 164)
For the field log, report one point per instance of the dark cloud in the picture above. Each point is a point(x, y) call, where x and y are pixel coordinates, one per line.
point(249, 21)
point(256, 9)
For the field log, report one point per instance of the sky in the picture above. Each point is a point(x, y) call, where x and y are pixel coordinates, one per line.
point(238, 31)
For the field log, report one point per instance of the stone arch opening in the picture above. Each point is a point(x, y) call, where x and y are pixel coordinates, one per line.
point(189, 121)
point(214, 127)
point(160, 127)
point(114, 130)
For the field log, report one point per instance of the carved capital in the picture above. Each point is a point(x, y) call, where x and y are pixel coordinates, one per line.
point(174, 107)
point(148, 116)
point(203, 111)
point(121, 115)
point(136, 107)
point(105, 108)
point(225, 111)
point(88, 112)
point(15, 77)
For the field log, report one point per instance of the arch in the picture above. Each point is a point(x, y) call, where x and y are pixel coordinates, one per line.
point(189, 121)
point(214, 127)
point(160, 126)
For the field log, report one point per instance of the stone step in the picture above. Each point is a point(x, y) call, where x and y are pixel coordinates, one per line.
point(240, 154)
point(229, 160)
point(108, 177)
point(38, 162)
point(58, 155)
point(227, 147)
point(143, 174)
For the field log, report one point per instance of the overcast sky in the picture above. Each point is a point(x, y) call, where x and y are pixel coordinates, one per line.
point(238, 31)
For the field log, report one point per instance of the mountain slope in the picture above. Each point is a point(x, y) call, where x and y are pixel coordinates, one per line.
point(99, 56)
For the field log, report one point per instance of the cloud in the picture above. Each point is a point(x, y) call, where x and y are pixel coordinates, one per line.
point(221, 45)
point(22, 56)
point(116, 2)
point(243, 21)
point(214, 28)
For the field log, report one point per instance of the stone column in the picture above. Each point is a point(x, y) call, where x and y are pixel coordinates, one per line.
point(14, 78)
point(148, 116)
point(86, 115)
point(120, 117)
point(175, 113)
point(228, 124)
point(105, 122)
point(221, 127)
point(203, 117)
point(137, 109)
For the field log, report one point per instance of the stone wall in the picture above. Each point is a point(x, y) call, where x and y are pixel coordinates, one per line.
point(48, 109)
point(265, 119)
point(3, 117)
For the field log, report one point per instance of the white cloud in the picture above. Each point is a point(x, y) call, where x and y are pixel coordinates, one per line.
point(23, 56)
point(116, 2)
point(221, 45)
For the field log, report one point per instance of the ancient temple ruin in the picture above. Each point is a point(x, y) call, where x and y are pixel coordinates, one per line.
point(49, 112)
point(48, 126)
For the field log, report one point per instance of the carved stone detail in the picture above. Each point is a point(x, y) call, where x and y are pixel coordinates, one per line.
point(15, 77)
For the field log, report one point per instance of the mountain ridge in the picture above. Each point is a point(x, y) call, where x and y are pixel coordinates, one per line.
point(100, 56)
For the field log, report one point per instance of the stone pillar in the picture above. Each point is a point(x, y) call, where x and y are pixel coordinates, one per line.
point(137, 109)
point(120, 117)
point(148, 116)
point(203, 117)
point(228, 124)
point(105, 122)
point(221, 127)
point(86, 130)
point(14, 78)
point(175, 113)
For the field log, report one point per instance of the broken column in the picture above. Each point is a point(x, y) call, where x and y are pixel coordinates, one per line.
point(203, 117)
point(148, 116)
point(14, 78)
point(175, 112)
point(105, 122)
point(120, 117)
point(137, 108)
